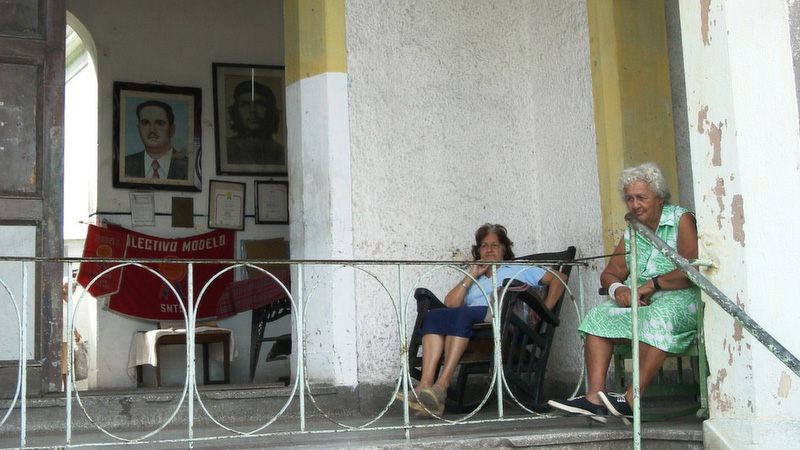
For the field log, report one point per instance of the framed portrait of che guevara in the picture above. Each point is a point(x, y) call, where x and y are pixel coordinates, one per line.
point(250, 119)
point(157, 137)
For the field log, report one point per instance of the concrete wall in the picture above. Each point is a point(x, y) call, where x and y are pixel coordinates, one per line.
point(173, 43)
point(463, 113)
point(740, 80)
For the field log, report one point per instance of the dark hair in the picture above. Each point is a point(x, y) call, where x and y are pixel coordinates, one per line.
point(246, 87)
point(157, 104)
point(502, 235)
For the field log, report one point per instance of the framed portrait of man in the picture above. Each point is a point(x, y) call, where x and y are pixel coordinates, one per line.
point(250, 119)
point(157, 137)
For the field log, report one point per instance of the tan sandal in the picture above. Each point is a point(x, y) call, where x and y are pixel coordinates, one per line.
point(411, 398)
point(433, 399)
point(413, 404)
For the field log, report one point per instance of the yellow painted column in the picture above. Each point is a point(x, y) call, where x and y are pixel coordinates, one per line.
point(314, 37)
point(632, 98)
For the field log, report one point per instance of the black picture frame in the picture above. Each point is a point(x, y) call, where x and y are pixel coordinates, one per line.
point(226, 200)
point(258, 146)
point(185, 104)
point(272, 202)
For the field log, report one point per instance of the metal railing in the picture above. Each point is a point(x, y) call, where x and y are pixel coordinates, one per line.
point(401, 299)
point(770, 343)
point(190, 397)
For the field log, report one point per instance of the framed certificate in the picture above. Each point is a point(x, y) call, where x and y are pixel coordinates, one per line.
point(226, 205)
point(272, 202)
point(143, 209)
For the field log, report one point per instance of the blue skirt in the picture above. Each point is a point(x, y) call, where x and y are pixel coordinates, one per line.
point(453, 321)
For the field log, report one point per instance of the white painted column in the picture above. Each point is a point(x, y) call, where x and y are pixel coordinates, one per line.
point(321, 221)
point(745, 147)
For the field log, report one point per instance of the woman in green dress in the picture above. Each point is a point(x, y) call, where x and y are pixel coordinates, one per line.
point(667, 299)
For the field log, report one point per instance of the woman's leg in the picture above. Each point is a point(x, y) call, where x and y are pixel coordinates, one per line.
point(597, 353)
point(432, 348)
point(454, 347)
point(650, 361)
point(462, 320)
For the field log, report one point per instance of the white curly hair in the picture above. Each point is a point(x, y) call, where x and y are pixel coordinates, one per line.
point(650, 174)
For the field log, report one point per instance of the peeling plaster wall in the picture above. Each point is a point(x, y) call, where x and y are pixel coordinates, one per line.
point(463, 113)
point(746, 162)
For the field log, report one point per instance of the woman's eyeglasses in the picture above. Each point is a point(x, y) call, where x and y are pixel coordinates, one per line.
point(493, 246)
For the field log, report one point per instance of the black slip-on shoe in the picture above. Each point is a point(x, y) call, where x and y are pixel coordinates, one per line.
point(617, 405)
point(581, 406)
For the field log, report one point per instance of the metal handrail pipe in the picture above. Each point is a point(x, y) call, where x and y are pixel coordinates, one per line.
point(637, 405)
point(758, 332)
point(346, 262)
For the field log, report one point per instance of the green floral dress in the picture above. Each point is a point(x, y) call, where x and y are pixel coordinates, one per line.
point(670, 321)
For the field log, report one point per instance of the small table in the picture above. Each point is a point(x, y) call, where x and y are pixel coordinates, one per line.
point(146, 349)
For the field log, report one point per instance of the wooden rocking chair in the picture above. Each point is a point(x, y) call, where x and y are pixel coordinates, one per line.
point(525, 346)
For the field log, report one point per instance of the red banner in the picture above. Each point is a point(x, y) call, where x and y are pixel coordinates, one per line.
point(143, 294)
point(102, 243)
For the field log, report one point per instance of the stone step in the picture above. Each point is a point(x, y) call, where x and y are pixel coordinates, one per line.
point(342, 423)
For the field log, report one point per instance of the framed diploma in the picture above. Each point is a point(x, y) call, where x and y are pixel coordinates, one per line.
point(272, 202)
point(143, 209)
point(226, 205)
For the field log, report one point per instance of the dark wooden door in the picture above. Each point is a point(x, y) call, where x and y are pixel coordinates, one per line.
point(32, 34)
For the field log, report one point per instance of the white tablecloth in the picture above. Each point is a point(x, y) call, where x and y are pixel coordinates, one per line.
point(143, 346)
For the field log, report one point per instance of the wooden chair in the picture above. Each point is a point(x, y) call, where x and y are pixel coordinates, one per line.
point(266, 249)
point(525, 346)
point(669, 390)
point(282, 344)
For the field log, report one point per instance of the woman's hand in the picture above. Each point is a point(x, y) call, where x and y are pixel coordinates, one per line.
point(623, 296)
point(646, 291)
point(455, 297)
point(478, 270)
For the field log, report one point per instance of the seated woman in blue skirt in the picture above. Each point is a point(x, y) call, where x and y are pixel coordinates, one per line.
point(448, 330)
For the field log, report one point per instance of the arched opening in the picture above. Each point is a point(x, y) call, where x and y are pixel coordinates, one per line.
point(80, 165)
point(80, 135)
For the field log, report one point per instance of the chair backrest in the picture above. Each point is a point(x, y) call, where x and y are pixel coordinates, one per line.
point(561, 259)
point(526, 346)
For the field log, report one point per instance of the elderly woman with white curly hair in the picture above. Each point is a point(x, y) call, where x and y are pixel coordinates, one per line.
point(667, 299)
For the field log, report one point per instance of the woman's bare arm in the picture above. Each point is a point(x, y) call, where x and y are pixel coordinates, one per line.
point(555, 287)
point(455, 297)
